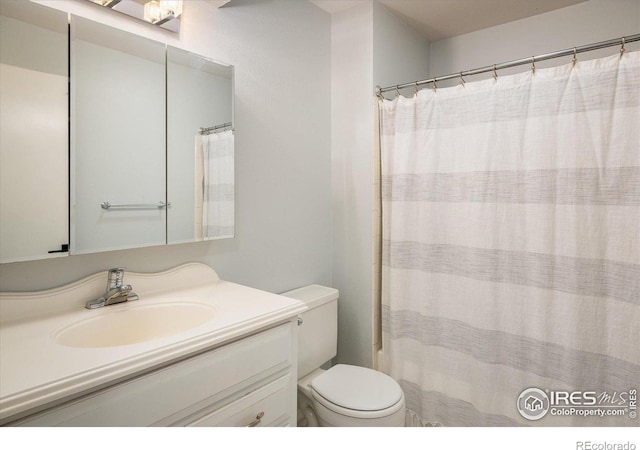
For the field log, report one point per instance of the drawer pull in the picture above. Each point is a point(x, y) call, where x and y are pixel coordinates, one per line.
point(257, 421)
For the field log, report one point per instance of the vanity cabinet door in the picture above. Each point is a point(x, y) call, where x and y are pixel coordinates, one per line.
point(34, 150)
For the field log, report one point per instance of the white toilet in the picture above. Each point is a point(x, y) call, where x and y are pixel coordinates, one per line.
point(344, 395)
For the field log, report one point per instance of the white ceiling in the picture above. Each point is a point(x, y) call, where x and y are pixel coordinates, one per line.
point(441, 19)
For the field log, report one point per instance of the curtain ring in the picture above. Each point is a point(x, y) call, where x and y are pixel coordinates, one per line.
point(461, 79)
point(533, 64)
point(495, 74)
point(397, 91)
point(575, 57)
point(435, 86)
point(622, 47)
point(417, 89)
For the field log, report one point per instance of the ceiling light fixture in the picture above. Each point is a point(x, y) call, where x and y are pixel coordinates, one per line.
point(157, 12)
point(160, 11)
point(173, 6)
point(152, 12)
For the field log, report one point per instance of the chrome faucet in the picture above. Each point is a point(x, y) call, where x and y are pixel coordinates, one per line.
point(116, 291)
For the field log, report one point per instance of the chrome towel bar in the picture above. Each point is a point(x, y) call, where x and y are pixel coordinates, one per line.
point(159, 205)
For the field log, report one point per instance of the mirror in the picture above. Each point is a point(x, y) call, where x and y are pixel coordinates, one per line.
point(200, 173)
point(122, 161)
point(34, 150)
point(118, 195)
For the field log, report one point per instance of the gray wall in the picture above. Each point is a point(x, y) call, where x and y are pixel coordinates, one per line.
point(365, 43)
point(580, 24)
point(352, 176)
point(400, 53)
point(281, 51)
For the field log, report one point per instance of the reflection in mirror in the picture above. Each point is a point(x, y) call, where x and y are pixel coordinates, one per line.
point(118, 188)
point(34, 151)
point(200, 148)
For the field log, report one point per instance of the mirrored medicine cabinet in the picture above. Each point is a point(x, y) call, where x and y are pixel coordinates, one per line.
point(109, 140)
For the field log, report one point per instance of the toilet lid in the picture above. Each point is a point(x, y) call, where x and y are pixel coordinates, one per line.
point(357, 388)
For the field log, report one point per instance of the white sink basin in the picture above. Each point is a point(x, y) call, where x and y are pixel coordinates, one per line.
point(132, 325)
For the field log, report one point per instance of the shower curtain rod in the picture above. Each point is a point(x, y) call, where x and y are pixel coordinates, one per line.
point(516, 62)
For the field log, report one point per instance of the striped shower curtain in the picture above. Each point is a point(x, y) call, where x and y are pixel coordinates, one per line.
point(511, 247)
point(217, 184)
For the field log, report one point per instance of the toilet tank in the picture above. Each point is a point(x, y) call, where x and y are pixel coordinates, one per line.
point(318, 333)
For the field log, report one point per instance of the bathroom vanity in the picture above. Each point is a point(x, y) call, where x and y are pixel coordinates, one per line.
point(192, 351)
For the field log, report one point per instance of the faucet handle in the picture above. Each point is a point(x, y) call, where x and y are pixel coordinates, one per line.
point(116, 277)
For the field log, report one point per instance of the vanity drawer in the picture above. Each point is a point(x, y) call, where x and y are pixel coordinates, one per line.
point(265, 406)
point(212, 379)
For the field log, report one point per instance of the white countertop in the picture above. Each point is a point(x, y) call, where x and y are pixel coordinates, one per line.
point(35, 370)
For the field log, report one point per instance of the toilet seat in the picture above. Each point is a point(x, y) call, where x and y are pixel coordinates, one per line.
point(357, 392)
